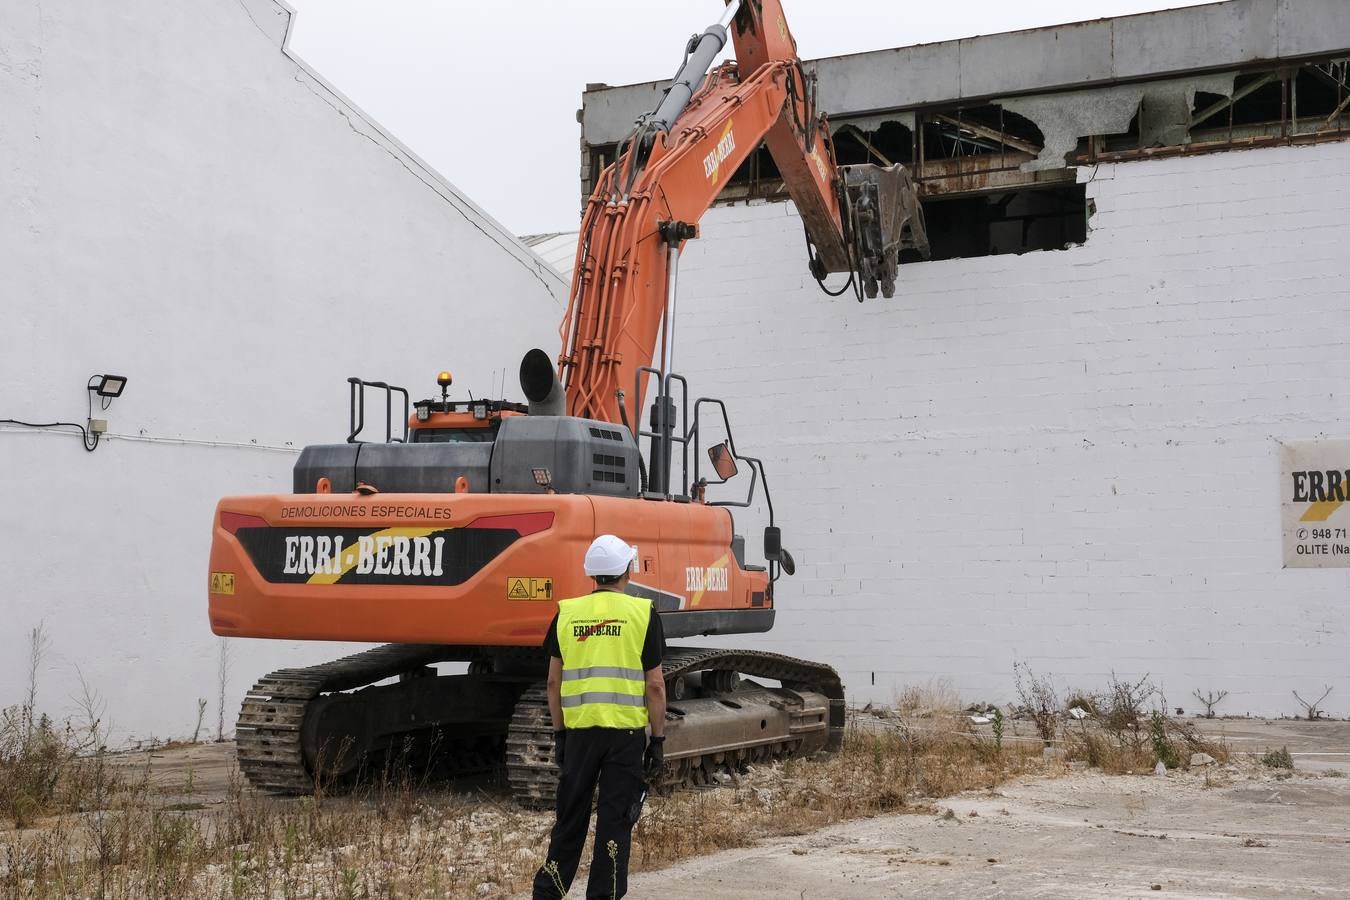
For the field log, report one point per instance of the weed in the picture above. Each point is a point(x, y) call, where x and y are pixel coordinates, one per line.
point(399, 837)
point(1191, 740)
point(222, 681)
point(1039, 701)
point(1163, 749)
point(1278, 759)
point(1124, 710)
point(1124, 735)
point(201, 714)
point(46, 766)
point(934, 698)
point(1084, 700)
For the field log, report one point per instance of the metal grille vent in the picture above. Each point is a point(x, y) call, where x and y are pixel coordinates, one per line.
point(609, 469)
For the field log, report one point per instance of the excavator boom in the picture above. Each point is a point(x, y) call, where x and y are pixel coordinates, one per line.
point(670, 170)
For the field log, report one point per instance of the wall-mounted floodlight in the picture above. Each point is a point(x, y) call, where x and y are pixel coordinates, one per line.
point(109, 386)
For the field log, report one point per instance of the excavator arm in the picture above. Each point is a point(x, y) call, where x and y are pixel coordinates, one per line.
point(670, 170)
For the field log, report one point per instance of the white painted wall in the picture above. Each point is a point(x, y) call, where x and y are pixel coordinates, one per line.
point(1065, 458)
point(184, 203)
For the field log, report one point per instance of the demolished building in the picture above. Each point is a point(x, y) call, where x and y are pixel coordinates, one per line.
point(1061, 442)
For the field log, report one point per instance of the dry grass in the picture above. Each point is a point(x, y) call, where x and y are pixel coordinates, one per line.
point(392, 840)
point(934, 697)
point(1127, 730)
point(890, 770)
point(46, 767)
point(1119, 751)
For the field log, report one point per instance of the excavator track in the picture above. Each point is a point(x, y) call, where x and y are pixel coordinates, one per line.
point(275, 757)
point(789, 670)
point(530, 770)
point(269, 735)
point(533, 777)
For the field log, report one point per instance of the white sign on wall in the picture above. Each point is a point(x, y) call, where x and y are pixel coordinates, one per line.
point(1315, 503)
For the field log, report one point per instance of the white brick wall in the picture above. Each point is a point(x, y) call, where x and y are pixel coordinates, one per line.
point(183, 204)
point(1067, 458)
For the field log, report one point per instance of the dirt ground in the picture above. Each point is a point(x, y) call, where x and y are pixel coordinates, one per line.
point(1223, 832)
point(1239, 830)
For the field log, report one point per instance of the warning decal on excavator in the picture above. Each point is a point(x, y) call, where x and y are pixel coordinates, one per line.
point(529, 589)
point(222, 582)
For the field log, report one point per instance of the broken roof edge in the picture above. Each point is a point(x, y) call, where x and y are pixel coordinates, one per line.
point(472, 212)
point(1210, 37)
point(600, 86)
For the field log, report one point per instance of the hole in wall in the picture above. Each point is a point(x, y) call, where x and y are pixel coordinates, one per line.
point(1015, 221)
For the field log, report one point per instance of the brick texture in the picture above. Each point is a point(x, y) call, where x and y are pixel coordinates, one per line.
point(1065, 458)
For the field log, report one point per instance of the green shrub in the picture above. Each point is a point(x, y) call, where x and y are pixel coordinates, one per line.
point(1278, 759)
point(1163, 748)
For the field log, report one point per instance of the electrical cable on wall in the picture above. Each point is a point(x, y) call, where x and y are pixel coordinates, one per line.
point(108, 388)
point(89, 445)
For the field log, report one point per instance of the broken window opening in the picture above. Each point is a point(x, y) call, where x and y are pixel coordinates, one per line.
point(1284, 101)
point(1305, 103)
point(1015, 221)
point(979, 130)
point(887, 145)
point(969, 150)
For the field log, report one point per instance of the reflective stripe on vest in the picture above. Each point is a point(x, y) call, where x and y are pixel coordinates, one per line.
point(600, 637)
point(603, 697)
point(602, 672)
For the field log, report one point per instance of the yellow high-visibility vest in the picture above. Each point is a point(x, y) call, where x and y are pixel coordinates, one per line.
point(600, 637)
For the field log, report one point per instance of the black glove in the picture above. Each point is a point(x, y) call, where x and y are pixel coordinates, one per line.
point(559, 745)
point(654, 758)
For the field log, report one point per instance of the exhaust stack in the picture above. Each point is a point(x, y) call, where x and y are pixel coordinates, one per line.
point(541, 386)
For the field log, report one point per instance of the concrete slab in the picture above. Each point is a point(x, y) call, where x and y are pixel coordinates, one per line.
point(1066, 56)
point(1082, 836)
point(1247, 31)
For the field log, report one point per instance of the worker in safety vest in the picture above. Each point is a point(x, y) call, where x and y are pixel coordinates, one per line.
point(604, 688)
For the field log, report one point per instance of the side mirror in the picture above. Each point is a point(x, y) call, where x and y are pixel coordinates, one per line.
point(723, 463)
point(774, 552)
point(773, 543)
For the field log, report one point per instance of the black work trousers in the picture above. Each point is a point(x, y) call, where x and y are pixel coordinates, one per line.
point(611, 758)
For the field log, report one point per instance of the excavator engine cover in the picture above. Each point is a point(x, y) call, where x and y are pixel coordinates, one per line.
point(886, 218)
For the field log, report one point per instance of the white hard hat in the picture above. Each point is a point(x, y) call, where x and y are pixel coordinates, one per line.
point(609, 555)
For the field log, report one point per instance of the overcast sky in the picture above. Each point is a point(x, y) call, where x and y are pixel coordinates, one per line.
point(487, 92)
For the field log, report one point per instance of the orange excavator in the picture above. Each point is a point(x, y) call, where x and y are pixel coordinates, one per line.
point(454, 536)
